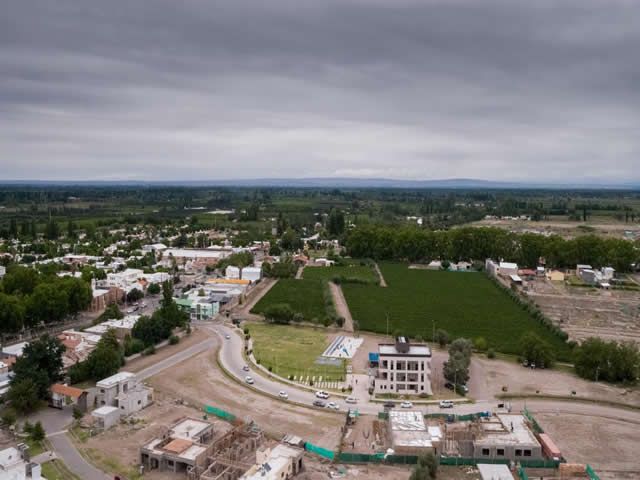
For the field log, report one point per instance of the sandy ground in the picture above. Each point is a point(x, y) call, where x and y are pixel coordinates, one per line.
point(342, 309)
point(200, 381)
point(609, 445)
point(582, 312)
point(519, 380)
point(383, 283)
point(564, 228)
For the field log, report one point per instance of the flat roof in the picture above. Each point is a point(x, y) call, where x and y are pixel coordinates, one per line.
point(189, 428)
point(114, 379)
point(177, 445)
point(414, 349)
point(494, 472)
point(15, 350)
point(506, 429)
point(183, 252)
point(106, 410)
point(409, 430)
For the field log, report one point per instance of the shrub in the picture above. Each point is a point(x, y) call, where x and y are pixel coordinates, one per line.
point(150, 350)
point(311, 383)
point(9, 416)
point(246, 330)
point(491, 354)
point(173, 340)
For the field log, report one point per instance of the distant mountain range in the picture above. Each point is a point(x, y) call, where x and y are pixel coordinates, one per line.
point(341, 182)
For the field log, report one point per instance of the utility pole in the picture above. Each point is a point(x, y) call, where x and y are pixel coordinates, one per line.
point(387, 324)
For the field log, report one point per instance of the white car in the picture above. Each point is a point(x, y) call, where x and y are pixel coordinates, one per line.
point(249, 380)
point(406, 405)
point(227, 336)
point(322, 394)
point(283, 394)
point(333, 405)
point(245, 368)
point(351, 400)
point(446, 404)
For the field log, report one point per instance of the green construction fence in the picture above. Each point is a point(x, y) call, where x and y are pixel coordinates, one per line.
point(591, 473)
point(218, 412)
point(323, 452)
point(536, 427)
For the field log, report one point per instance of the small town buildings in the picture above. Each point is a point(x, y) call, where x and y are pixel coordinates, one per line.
point(3, 271)
point(122, 326)
point(403, 368)
point(14, 350)
point(506, 269)
point(78, 346)
point(182, 446)
point(506, 436)
point(63, 395)
point(4, 368)
point(124, 391)
point(580, 268)
point(155, 247)
point(199, 308)
point(198, 257)
point(409, 434)
point(102, 297)
point(106, 417)
point(253, 274)
point(490, 471)
point(279, 463)
point(556, 276)
point(5, 382)
point(232, 272)
point(16, 464)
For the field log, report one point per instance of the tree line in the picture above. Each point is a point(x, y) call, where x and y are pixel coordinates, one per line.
point(29, 298)
point(469, 243)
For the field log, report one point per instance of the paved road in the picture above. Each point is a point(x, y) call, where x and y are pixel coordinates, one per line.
point(233, 361)
point(176, 358)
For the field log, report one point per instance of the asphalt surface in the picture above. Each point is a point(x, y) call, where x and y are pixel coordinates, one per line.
point(233, 361)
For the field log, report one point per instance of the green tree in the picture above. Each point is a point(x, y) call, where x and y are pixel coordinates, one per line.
point(536, 350)
point(23, 395)
point(335, 223)
point(153, 289)
point(38, 434)
point(442, 337)
point(456, 369)
point(463, 346)
point(480, 344)
point(430, 462)
point(107, 358)
point(48, 303)
point(290, 240)
point(78, 292)
point(9, 416)
point(12, 313)
point(21, 280)
point(134, 295)
point(279, 313)
point(41, 361)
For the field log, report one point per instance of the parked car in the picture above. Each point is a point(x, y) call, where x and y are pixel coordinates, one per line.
point(351, 400)
point(389, 405)
point(446, 404)
point(143, 305)
point(406, 405)
point(318, 403)
point(333, 405)
point(464, 388)
point(227, 336)
point(283, 394)
point(448, 385)
point(245, 368)
point(249, 380)
point(322, 394)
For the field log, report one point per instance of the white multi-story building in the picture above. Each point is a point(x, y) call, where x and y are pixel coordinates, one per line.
point(232, 272)
point(403, 368)
point(130, 278)
point(15, 464)
point(124, 391)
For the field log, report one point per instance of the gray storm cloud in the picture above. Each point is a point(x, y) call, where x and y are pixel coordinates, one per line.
point(156, 90)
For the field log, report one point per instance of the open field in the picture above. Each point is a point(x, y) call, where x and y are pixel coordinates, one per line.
point(304, 296)
point(587, 312)
point(290, 350)
point(465, 304)
point(359, 273)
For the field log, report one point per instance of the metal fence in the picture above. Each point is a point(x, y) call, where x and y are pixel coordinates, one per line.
point(522, 474)
point(536, 427)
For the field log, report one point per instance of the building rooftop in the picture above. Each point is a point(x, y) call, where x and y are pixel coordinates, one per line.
point(494, 472)
point(177, 445)
point(414, 349)
point(276, 461)
point(409, 430)
point(189, 428)
point(15, 350)
point(106, 410)
point(508, 265)
point(114, 379)
point(506, 429)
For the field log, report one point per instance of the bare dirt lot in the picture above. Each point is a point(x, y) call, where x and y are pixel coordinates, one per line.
point(585, 312)
point(492, 375)
point(606, 228)
point(609, 445)
point(200, 381)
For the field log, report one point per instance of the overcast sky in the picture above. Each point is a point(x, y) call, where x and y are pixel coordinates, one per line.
point(205, 89)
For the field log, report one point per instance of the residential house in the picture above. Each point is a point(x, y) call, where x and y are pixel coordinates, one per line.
point(252, 274)
point(124, 391)
point(16, 464)
point(282, 462)
point(63, 395)
point(232, 272)
point(105, 417)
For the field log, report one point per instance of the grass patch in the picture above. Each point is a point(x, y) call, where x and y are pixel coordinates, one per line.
point(354, 273)
point(292, 350)
point(35, 448)
point(57, 470)
point(303, 296)
point(466, 304)
point(82, 434)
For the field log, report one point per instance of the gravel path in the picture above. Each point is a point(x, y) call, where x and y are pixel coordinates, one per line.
point(382, 282)
point(342, 309)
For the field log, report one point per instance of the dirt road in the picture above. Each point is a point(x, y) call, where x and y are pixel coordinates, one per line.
point(254, 296)
point(382, 281)
point(342, 309)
